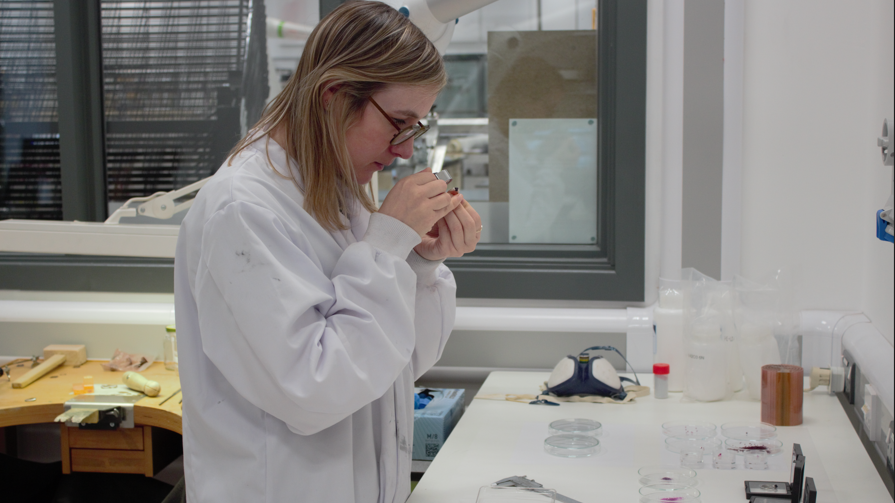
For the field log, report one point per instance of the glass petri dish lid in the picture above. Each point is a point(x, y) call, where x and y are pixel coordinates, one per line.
point(771, 446)
point(571, 445)
point(666, 474)
point(689, 429)
point(749, 430)
point(668, 498)
point(706, 445)
point(576, 426)
point(670, 490)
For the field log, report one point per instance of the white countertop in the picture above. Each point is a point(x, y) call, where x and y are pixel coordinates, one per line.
point(494, 440)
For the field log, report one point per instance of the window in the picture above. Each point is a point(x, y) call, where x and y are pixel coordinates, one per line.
point(173, 79)
point(30, 185)
point(154, 95)
point(543, 124)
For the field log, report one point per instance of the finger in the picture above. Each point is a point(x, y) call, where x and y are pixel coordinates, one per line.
point(458, 237)
point(423, 177)
point(470, 228)
point(441, 204)
point(433, 187)
point(445, 239)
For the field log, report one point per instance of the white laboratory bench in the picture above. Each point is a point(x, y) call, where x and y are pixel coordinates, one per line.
point(496, 439)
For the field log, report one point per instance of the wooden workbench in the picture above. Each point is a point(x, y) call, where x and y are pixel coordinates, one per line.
point(143, 449)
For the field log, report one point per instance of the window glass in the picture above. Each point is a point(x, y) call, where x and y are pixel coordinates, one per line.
point(30, 186)
point(176, 80)
point(518, 122)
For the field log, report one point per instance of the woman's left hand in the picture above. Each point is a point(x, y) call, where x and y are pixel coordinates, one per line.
point(456, 233)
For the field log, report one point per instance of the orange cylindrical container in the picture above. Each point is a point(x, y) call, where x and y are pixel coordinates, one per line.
point(781, 394)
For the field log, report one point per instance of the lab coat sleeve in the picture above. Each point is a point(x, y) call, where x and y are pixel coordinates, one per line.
point(306, 347)
point(436, 306)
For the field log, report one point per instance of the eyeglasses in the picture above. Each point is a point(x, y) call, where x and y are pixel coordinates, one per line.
point(414, 131)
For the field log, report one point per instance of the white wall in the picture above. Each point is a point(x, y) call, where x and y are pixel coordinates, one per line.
point(818, 84)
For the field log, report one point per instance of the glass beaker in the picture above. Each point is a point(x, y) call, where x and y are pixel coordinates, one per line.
point(170, 346)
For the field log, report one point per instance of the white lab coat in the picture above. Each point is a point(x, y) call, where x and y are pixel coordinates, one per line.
point(299, 347)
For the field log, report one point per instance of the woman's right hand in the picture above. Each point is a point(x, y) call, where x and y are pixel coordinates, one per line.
point(419, 200)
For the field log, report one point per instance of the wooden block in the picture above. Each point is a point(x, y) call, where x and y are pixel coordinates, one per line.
point(38, 371)
point(75, 354)
point(128, 439)
point(107, 461)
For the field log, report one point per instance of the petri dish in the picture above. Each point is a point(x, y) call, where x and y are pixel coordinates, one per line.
point(666, 474)
point(670, 490)
point(576, 426)
point(571, 445)
point(771, 446)
point(663, 474)
point(706, 445)
point(689, 429)
point(668, 498)
point(749, 430)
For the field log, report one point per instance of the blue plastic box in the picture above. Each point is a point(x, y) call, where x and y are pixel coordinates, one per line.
point(433, 424)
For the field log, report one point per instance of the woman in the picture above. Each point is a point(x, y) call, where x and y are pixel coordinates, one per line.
point(303, 320)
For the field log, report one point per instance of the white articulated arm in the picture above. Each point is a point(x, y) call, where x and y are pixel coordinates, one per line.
point(161, 205)
point(436, 18)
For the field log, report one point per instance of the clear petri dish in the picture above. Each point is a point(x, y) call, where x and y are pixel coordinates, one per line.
point(570, 445)
point(689, 429)
point(706, 445)
point(749, 430)
point(666, 474)
point(668, 498)
point(771, 446)
point(576, 426)
point(670, 490)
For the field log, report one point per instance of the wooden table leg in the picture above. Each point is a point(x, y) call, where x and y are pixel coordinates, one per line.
point(66, 449)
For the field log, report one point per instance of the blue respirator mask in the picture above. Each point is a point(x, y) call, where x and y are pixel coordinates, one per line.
point(586, 375)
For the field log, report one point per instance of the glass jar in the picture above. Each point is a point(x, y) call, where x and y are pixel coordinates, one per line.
point(170, 345)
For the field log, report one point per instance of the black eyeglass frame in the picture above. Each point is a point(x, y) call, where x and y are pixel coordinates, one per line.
point(411, 132)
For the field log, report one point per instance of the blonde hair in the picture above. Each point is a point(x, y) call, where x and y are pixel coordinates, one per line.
point(359, 48)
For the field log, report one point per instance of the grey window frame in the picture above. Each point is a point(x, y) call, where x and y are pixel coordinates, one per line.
point(615, 273)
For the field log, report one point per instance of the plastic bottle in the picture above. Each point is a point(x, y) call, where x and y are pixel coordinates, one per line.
point(170, 348)
point(660, 383)
point(706, 375)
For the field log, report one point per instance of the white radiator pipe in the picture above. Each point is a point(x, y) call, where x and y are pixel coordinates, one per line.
point(104, 313)
point(468, 318)
point(636, 323)
point(673, 141)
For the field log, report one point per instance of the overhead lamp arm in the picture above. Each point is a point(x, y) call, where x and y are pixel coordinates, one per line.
point(161, 205)
point(436, 18)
